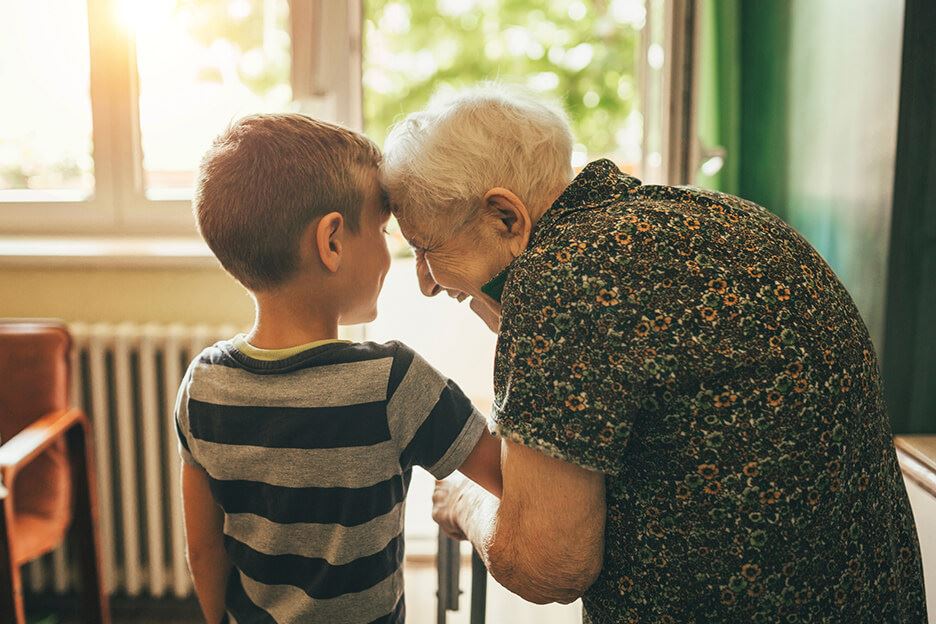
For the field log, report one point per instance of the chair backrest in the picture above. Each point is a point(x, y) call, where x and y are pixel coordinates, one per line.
point(34, 369)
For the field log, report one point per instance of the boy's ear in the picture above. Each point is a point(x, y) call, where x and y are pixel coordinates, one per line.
point(329, 235)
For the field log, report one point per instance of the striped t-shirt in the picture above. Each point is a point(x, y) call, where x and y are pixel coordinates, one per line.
point(310, 458)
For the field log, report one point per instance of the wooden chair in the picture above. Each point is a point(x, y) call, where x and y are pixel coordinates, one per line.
point(46, 471)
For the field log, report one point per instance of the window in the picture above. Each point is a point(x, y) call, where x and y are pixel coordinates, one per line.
point(114, 101)
point(200, 65)
point(45, 130)
point(584, 55)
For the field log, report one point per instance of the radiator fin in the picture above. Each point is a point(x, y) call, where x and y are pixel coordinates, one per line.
point(126, 377)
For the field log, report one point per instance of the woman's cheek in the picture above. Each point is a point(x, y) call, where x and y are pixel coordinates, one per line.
point(444, 275)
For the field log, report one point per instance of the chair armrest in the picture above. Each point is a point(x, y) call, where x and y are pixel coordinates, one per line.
point(35, 438)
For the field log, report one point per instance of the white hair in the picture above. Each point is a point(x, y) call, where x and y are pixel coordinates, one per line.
point(439, 163)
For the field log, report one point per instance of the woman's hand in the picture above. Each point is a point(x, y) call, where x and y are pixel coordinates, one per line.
point(444, 500)
point(488, 311)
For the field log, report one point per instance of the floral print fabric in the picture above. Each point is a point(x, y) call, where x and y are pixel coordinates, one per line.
point(701, 354)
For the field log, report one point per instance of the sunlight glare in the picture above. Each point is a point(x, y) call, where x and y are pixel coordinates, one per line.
point(144, 16)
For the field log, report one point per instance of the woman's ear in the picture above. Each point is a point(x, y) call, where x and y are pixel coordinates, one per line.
point(512, 219)
point(329, 235)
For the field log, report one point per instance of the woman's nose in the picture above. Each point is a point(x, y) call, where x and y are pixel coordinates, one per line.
point(427, 283)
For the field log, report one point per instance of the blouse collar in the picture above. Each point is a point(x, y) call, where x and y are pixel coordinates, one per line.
point(597, 184)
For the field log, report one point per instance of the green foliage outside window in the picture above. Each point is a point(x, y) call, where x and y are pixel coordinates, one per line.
point(255, 32)
point(583, 54)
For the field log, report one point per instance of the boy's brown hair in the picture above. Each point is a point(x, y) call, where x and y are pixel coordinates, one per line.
point(266, 178)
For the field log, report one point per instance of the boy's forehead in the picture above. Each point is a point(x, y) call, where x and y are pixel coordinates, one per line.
point(375, 203)
point(371, 185)
point(383, 204)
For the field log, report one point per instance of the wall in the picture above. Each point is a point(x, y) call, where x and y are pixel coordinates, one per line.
point(205, 295)
point(924, 513)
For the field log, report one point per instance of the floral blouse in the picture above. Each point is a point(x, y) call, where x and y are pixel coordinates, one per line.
point(698, 352)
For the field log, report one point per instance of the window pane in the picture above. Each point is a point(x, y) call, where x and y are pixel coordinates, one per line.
point(583, 54)
point(203, 64)
point(45, 109)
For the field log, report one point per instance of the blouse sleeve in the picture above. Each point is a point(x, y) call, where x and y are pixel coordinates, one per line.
point(565, 383)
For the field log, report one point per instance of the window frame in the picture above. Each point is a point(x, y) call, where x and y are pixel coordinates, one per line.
point(119, 204)
point(322, 32)
point(98, 210)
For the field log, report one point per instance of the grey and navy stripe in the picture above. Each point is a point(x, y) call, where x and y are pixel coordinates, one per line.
point(310, 458)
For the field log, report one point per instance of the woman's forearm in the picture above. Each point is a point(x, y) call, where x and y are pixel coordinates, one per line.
point(543, 539)
point(510, 558)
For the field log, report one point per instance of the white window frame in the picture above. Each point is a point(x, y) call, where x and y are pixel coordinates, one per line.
point(669, 94)
point(326, 82)
point(326, 71)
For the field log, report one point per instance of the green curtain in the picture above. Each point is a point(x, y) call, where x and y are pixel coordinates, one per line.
point(803, 97)
point(743, 97)
point(719, 91)
point(909, 356)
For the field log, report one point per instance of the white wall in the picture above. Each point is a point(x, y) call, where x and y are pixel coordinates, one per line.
point(924, 512)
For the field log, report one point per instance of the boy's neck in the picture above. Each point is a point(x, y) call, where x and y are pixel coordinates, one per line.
point(284, 321)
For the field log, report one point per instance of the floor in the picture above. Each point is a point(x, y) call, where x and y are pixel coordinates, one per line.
point(502, 606)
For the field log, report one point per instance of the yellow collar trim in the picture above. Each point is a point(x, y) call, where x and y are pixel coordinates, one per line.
point(273, 355)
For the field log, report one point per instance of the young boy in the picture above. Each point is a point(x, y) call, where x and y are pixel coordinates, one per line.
point(298, 447)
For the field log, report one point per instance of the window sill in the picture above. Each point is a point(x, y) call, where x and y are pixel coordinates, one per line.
point(105, 252)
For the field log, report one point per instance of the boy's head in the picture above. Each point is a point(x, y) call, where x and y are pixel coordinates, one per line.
point(285, 200)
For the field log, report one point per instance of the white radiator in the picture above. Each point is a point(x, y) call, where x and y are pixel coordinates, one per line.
point(126, 377)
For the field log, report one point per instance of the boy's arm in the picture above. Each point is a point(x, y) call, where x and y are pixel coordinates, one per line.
point(483, 464)
point(443, 434)
point(204, 522)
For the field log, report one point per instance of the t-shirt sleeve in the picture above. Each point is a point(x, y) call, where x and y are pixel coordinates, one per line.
point(434, 423)
point(563, 387)
point(180, 415)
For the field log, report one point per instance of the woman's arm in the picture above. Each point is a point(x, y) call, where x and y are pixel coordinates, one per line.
point(544, 540)
point(204, 538)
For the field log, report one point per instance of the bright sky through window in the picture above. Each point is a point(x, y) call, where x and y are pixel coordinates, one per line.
point(203, 64)
point(45, 110)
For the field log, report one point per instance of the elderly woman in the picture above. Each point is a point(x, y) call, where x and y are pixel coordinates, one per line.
point(691, 411)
